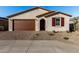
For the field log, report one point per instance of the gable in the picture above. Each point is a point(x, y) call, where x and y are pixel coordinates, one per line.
point(57, 13)
point(52, 13)
point(41, 15)
point(33, 13)
point(28, 15)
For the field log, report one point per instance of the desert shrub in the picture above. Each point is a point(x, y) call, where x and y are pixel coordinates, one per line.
point(66, 38)
point(37, 34)
point(51, 34)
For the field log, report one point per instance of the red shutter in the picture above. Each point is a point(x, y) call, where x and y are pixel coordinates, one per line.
point(53, 21)
point(62, 21)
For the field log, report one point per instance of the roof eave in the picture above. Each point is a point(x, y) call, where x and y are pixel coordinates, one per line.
point(26, 11)
point(58, 13)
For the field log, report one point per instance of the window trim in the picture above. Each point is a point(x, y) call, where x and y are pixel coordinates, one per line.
point(60, 22)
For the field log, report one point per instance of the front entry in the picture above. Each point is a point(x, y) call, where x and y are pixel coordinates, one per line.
point(42, 25)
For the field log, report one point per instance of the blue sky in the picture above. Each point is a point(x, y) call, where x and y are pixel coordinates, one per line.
point(8, 10)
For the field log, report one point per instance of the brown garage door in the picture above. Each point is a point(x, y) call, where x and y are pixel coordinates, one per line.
point(23, 25)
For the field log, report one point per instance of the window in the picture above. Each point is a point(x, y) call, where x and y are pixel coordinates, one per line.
point(57, 20)
point(1, 27)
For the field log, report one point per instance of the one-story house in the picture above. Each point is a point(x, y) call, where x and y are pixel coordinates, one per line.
point(3, 24)
point(39, 19)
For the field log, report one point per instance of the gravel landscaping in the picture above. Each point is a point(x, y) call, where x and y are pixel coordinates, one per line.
point(39, 42)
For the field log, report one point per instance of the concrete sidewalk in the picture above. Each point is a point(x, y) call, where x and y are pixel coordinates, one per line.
point(37, 46)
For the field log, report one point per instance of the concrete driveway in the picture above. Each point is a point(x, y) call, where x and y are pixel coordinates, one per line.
point(38, 42)
point(37, 46)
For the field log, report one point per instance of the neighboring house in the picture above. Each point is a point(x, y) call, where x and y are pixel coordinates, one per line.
point(39, 19)
point(76, 19)
point(71, 25)
point(3, 24)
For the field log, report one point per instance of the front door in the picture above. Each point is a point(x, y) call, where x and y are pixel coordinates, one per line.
point(42, 25)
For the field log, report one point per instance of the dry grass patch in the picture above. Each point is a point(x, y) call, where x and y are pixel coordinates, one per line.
point(35, 36)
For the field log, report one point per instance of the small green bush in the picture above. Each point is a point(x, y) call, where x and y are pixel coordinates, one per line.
point(66, 38)
point(54, 31)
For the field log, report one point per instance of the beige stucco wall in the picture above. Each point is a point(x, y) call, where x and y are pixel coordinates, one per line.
point(28, 15)
point(49, 27)
point(63, 28)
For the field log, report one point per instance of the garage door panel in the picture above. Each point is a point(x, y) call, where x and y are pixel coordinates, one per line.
point(24, 25)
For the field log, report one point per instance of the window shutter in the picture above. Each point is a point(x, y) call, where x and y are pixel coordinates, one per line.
point(53, 21)
point(62, 21)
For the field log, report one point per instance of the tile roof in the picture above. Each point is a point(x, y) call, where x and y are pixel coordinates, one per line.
point(47, 14)
point(26, 11)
